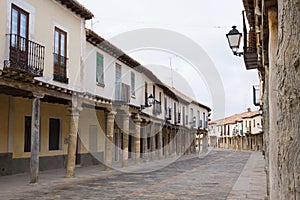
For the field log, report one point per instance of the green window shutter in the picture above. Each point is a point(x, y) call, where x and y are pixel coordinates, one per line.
point(99, 69)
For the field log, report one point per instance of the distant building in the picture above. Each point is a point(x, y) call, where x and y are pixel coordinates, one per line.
point(241, 131)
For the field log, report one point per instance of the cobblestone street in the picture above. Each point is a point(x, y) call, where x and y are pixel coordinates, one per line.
point(211, 177)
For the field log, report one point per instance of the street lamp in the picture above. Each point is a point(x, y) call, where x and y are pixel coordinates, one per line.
point(260, 111)
point(150, 101)
point(234, 39)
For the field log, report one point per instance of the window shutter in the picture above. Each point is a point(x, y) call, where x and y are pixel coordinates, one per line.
point(99, 70)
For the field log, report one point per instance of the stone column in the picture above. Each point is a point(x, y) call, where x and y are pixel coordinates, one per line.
point(174, 141)
point(74, 119)
point(160, 147)
point(125, 132)
point(109, 140)
point(205, 142)
point(170, 141)
point(35, 140)
point(177, 142)
point(188, 147)
point(137, 139)
point(145, 143)
point(152, 141)
point(166, 148)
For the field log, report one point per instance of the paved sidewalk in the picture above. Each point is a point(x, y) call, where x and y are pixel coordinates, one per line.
point(251, 183)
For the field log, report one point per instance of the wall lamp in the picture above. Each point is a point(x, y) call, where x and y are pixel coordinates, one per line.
point(234, 40)
point(149, 103)
point(260, 111)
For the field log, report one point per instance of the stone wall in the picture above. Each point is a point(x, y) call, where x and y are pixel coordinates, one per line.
point(288, 100)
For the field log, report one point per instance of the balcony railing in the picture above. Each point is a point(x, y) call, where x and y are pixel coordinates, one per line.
point(179, 118)
point(205, 124)
point(169, 114)
point(200, 124)
point(122, 92)
point(25, 55)
point(60, 68)
point(156, 108)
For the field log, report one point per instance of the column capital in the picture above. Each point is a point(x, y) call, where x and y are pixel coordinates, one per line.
point(137, 119)
point(110, 115)
point(38, 95)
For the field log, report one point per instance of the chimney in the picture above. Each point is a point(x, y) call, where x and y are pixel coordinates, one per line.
point(248, 109)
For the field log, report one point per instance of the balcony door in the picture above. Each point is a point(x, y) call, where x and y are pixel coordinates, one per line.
point(60, 56)
point(19, 37)
point(118, 82)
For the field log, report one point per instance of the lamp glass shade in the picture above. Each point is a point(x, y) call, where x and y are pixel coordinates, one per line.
point(234, 38)
point(150, 100)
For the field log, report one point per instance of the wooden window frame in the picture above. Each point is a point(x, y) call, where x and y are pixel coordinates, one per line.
point(59, 70)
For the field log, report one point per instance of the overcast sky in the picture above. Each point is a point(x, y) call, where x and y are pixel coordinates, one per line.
point(203, 22)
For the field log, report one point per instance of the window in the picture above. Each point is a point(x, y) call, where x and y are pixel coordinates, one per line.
point(54, 134)
point(175, 113)
point(166, 106)
point(132, 84)
point(183, 116)
point(254, 123)
point(19, 36)
point(60, 56)
point(19, 22)
point(204, 120)
point(159, 96)
point(146, 94)
point(191, 114)
point(99, 70)
point(27, 136)
point(118, 82)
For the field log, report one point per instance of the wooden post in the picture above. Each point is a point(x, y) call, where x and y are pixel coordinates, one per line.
point(74, 119)
point(109, 140)
point(35, 140)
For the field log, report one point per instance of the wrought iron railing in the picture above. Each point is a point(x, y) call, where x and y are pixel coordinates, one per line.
point(60, 68)
point(179, 118)
point(200, 125)
point(25, 55)
point(169, 114)
point(157, 107)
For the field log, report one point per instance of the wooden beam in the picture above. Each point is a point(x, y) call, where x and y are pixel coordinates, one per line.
point(30, 87)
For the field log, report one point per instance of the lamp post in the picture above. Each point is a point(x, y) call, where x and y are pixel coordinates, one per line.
point(234, 40)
